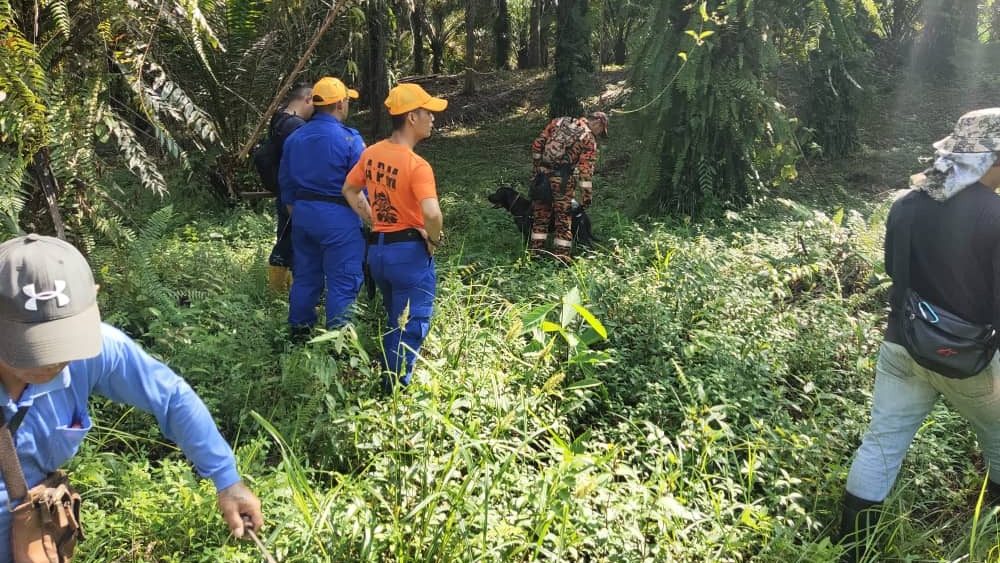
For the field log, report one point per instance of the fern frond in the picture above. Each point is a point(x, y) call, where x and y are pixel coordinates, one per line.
point(23, 80)
point(872, 10)
point(198, 30)
point(161, 96)
point(12, 196)
point(60, 15)
point(136, 158)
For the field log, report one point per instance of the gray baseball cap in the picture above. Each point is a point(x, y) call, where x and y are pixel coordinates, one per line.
point(48, 303)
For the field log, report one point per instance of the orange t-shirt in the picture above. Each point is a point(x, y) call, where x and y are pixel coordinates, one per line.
point(397, 179)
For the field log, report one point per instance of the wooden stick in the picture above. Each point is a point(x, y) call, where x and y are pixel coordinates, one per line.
point(260, 545)
point(256, 195)
point(327, 22)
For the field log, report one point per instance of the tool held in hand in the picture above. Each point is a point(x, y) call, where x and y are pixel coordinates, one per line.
point(248, 528)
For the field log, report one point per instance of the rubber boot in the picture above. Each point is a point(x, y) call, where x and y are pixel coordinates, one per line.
point(299, 335)
point(561, 254)
point(277, 279)
point(857, 527)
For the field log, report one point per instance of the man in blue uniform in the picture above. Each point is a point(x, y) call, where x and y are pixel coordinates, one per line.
point(55, 353)
point(327, 239)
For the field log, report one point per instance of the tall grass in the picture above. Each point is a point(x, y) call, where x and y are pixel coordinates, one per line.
point(689, 392)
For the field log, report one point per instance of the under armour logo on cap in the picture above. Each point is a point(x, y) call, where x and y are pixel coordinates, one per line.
point(48, 303)
point(34, 297)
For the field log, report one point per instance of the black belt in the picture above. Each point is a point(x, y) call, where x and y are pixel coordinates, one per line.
point(313, 196)
point(558, 168)
point(396, 236)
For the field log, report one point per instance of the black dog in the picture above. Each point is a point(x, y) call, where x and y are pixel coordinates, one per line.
point(520, 209)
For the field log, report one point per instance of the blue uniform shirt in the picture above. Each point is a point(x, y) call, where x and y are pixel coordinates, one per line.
point(58, 420)
point(318, 156)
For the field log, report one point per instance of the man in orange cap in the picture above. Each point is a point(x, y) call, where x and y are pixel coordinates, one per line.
point(402, 206)
point(326, 235)
point(563, 156)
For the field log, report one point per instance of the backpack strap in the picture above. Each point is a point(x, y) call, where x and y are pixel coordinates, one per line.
point(10, 465)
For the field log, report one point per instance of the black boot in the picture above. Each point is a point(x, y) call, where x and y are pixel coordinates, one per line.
point(857, 526)
point(299, 335)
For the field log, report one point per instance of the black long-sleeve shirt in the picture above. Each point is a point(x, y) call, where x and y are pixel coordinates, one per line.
point(954, 253)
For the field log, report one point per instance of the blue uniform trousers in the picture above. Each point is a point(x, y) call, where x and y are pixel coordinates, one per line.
point(404, 273)
point(327, 244)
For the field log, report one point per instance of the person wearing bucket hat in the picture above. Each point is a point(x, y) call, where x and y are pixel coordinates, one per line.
point(402, 206)
point(563, 156)
point(942, 241)
point(327, 240)
point(55, 353)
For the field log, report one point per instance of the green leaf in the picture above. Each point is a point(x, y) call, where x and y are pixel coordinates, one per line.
point(357, 14)
point(584, 384)
point(571, 339)
point(872, 9)
point(549, 326)
point(589, 337)
point(589, 357)
point(591, 320)
point(838, 217)
point(570, 300)
point(536, 316)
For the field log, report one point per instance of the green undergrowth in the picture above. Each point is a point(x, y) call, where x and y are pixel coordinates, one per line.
point(685, 392)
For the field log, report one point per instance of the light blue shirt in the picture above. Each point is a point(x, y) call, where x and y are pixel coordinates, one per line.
point(57, 421)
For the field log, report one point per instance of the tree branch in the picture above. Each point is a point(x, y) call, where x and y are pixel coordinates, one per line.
point(327, 22)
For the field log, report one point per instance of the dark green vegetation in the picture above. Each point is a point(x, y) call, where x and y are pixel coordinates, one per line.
point(716, 419)
point(716, 422)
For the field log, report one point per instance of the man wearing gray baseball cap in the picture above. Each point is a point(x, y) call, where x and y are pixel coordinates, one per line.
point(55, 352)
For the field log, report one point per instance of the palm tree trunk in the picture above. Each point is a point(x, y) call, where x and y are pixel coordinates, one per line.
point(534, 57)
point(417, 25)
point(470, 46)
point(544, 33)
point(376, 75)
point(502, 34)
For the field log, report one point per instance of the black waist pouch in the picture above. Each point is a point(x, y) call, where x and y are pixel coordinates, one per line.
point(541, 188)
point(944, 342)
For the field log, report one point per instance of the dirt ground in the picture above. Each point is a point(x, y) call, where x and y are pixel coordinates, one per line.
point(503, 92)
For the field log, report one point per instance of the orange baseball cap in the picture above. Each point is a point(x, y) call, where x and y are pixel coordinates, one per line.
point(331, 90)
point(408, 97)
